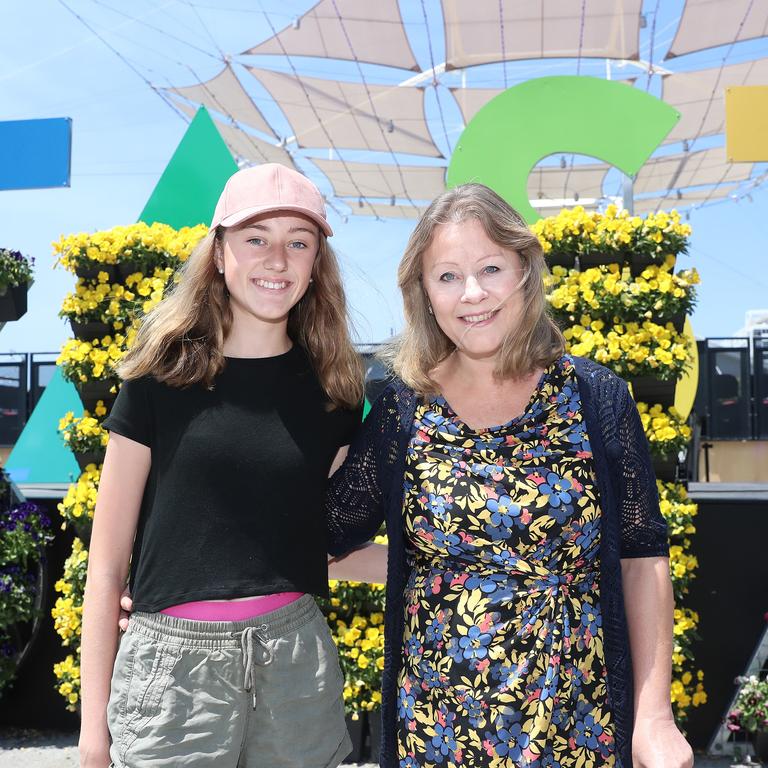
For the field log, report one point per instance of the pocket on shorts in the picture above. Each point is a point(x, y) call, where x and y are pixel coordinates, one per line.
point(141, 675)
point(153, 663)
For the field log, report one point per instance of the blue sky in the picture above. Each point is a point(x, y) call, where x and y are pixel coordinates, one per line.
point(53, 65)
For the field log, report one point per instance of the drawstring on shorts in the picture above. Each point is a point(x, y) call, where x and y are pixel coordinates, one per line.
point(256, 651)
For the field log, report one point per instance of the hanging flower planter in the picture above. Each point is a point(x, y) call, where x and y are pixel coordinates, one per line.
point(90, 330)
point(640, 261)
point(13, 302)
point(665, 467)
point(90, 270)
point(560, 259)
point(126, 268)
point(647, 389)
point(589, 260)
point(99, 389)
point(678, 321)
point(89, 457)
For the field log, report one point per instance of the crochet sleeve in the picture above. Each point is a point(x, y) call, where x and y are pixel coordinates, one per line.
point(643, 528)
point(354, 502)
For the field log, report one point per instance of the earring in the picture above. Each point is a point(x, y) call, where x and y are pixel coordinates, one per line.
point(221, 270)
point(311, 279)
point(429, 309)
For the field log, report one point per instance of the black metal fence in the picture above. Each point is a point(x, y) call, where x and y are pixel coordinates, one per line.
point(23, 379)
point(732, 398)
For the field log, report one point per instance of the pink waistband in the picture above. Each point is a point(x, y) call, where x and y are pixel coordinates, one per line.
point(231, 610)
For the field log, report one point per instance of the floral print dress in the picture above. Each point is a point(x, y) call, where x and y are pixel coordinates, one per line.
point(503, 649)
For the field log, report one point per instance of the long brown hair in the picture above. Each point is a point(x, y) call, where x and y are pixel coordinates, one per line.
point(181, 340)
point(535, 342)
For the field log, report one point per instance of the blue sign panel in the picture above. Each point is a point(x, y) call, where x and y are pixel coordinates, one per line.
point(35, 154)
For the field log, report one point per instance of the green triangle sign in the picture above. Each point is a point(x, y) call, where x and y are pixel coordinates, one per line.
point(185, 195)
point(191, 184)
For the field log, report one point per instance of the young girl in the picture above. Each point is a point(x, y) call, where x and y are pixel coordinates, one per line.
point(239, 393)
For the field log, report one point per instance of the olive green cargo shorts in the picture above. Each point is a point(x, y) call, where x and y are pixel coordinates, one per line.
point(263, 693)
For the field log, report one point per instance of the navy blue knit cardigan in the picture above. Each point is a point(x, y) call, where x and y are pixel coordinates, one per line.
point(368, 490)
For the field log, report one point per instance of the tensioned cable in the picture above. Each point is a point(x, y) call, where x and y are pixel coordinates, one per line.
point(320, 122)
point(712, 99)
point(372, 105)
point(578, 72)
point(650, 50)
point(153, 27)
point(434, 77)
point(503, 43)
point(119, 56)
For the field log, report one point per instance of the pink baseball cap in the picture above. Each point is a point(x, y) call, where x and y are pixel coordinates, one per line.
point(268, 187)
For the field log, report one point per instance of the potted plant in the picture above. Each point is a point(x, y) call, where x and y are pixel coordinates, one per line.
point(25, 532)
point(85, 437)
point(750, 712)
point(15, 279)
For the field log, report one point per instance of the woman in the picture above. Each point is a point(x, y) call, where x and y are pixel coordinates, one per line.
point(527, 555)
point(241, 389)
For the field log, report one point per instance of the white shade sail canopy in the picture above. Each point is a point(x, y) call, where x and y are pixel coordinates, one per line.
point(689, 169)
point(384, 211)
point(351, 115)
point(581, 181)
point(225, 94)
point(370, 31)
point(709, 23)
point(242, 144)
point(700, 96)
point(485, 31)
point(684, 200)
point(471, 100)
point(416, 182)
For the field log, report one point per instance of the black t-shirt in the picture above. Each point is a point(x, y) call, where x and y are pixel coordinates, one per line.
point(233, 504)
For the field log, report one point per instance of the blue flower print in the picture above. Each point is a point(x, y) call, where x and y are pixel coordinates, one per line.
point(588, 533)
point(512, 740)
point(591, 619)
point(486, 584)
point(546, 684)
point(548, 760)
point(557, 488)
point(561, 514)
point(568, 401)
point(405, 704)
point(472, 708)
point(435, 629)
point(586, 733)
point(430, 675)
point(414, 647)
point(443, 743)
point(447, 541)
point(505, 517)
point(408, 762)
point(475, 643)
point(439, 505)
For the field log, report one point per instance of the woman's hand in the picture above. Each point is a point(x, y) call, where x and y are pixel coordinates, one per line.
point(126, 606)
point(657, 743)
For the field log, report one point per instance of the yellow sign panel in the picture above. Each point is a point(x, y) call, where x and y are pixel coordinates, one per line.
point(685, 392)
point(746, 123)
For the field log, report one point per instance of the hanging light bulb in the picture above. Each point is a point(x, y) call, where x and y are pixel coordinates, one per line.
point(390, 127)
point(296, 23)
point(562, 161)
point(360, 203)
point(392, 200)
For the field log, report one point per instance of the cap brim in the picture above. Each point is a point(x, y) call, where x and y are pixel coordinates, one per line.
point(248, 213)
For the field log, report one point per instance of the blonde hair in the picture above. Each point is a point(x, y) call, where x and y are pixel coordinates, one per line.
point(535, 342)
point(180, 341)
